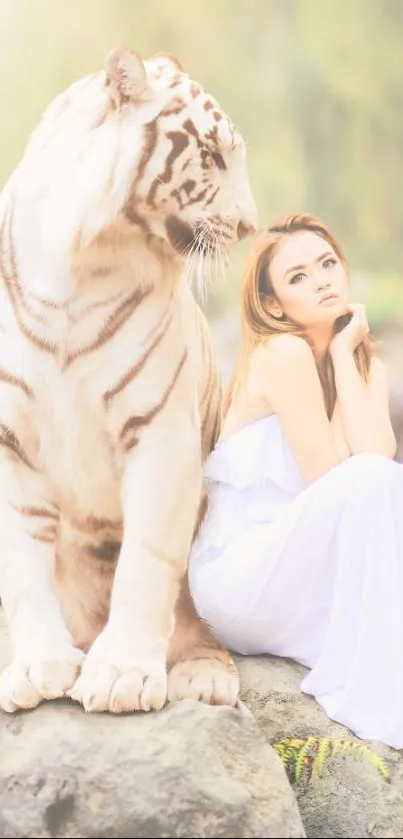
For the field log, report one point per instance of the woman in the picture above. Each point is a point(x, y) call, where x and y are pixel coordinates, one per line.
point(301, 551)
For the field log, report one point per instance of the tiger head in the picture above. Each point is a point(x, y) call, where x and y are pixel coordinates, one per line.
point(142, 143)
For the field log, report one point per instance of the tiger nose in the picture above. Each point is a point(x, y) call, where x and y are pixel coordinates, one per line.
point(245, 229)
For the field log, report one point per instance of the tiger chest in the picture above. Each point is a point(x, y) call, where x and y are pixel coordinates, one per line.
point(75, 450)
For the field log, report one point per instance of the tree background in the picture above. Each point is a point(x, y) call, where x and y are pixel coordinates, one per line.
point(315, 87)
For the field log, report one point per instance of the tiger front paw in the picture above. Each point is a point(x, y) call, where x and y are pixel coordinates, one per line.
point(210, 680)
point(27, 682)
point(119, 679)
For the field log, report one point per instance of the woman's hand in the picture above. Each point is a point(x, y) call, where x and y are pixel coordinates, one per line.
point(353, 333)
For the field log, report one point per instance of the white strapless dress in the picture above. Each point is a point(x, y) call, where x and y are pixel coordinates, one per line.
point(314, 574)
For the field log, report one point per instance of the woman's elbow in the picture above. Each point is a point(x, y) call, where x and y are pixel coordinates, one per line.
point(390, 446)
point(384, 445)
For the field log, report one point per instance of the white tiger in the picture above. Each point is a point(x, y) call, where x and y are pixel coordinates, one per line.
point(108, 387)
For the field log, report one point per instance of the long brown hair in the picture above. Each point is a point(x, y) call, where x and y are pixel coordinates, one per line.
point(258, 324)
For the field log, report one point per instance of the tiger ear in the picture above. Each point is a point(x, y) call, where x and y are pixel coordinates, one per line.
point(125, 76)
point(167, 58)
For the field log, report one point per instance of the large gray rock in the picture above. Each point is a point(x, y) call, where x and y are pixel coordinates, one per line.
point(189, 770)
point(352, 798)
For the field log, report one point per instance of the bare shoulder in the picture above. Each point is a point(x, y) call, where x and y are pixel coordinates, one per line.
point(289, 383)
point(283, 365)
point(283, 352)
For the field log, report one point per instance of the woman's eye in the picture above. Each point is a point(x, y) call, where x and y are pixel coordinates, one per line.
point(329, 262)
point(296, 278)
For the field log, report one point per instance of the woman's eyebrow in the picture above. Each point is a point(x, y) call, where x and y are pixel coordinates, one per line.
point(300, 267)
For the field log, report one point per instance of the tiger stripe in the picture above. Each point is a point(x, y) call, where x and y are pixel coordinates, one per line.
point(9, 440)
point(94, 524)
point(36, 512)
point(180, 141)
point(134, 371)
point(16, 381)
point(174, 109)
point(11, 274)
point(76, 317)
point(114, 322)
point(16, 296)
point(47, 535)
point(128, 436)
point(150, 139)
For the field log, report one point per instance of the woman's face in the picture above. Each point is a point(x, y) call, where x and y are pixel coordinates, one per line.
point(309, 281)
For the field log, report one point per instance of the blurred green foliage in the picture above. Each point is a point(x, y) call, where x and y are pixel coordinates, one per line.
point(314, 85)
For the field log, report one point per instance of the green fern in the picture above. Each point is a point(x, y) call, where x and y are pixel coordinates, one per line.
point(303, 758)
point(325, 749)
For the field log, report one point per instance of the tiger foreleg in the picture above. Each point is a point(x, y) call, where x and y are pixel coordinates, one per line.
point(45, 663)
point(199, 666)
point(126, 668)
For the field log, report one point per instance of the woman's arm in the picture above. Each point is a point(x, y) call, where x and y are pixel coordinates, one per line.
point(284, 372)
point(339, 433)
point(364, 405)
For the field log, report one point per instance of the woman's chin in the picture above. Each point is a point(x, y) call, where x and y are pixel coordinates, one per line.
point(330, 310)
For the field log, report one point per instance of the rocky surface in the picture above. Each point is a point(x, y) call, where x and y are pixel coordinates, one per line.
point(352, 798)
point(189, 770)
